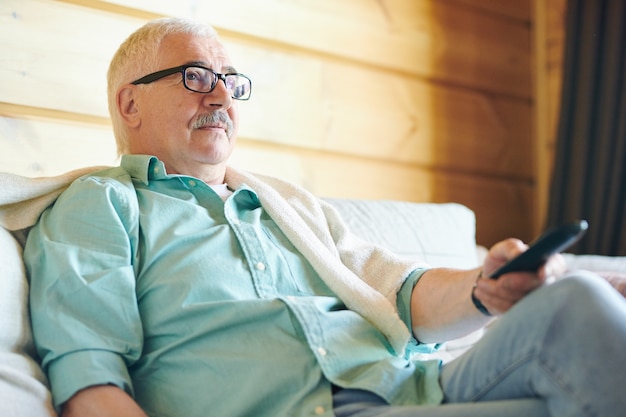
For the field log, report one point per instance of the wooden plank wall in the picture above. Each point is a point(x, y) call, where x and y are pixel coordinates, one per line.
point(549, 54)
point(418, 100)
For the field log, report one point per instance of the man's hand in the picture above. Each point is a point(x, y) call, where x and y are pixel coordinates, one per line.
point(499, 295)
point(441, 304)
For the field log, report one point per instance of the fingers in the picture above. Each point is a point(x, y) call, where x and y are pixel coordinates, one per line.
point(508, 248)
point(553, 268)
point(502, 252)
point(499, 295)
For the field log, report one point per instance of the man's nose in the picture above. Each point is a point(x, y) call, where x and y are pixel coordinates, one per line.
point(220, 96)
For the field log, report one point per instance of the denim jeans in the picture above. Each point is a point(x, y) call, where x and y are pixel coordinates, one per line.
point(559, 352)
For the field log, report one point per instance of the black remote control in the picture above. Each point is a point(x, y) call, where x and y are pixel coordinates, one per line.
point(551, 242)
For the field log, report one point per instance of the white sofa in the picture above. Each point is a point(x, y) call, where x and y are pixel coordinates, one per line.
point(440, 234)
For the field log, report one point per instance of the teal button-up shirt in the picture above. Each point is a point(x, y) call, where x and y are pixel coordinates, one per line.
point(198, 306)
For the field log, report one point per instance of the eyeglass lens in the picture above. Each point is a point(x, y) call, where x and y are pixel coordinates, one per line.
point(203, 80)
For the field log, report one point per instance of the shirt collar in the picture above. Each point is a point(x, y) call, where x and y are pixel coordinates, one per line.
point(143, 167)
point(146, 168)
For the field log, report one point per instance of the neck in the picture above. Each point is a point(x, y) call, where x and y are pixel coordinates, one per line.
point(212, 175)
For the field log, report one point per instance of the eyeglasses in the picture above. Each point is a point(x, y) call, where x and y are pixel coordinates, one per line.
point(203, 80)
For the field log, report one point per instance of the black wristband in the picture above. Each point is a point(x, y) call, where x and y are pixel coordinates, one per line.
point(479, 306)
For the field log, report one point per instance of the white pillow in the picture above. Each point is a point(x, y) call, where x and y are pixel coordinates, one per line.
point(23, 386)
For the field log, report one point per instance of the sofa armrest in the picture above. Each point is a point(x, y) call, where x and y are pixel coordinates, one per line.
point(596, 263)
point(23, 385)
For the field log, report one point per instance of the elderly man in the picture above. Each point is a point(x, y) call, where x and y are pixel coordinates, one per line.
point(175, 285)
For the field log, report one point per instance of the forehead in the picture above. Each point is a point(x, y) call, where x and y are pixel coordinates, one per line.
point(178, 49)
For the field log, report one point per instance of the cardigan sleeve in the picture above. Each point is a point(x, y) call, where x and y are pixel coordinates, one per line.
point(377, 266)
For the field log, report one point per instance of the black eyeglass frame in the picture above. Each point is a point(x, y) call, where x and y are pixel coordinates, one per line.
point(155, 76)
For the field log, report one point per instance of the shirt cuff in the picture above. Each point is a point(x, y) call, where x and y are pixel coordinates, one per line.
point(404, 309)
point(72, 372)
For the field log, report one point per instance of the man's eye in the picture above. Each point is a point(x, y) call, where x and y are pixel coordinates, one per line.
point(192, 76)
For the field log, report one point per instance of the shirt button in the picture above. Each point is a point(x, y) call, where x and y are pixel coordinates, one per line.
point(322, 351)
point(192, 183)
point(260, 266)
point(319, 410)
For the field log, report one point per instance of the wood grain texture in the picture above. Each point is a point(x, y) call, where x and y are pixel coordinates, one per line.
point(425, 38)
point(549, 49)
point(514, 9)
point(334, 106)
point(34, 148)
point(411, 100)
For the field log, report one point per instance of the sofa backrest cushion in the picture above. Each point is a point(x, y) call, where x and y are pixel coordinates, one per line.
point(442, 235)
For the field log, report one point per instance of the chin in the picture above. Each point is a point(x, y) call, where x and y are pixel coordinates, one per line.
point(214, 156)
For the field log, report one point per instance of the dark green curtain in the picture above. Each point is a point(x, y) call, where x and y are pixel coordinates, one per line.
point(590, 167)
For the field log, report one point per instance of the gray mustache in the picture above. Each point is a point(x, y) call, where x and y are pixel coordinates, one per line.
point(218, 116)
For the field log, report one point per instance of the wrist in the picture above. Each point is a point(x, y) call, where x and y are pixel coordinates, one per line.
point(477, 303)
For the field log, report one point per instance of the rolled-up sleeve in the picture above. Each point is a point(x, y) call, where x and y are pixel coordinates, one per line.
point(84, 311)
point(404, 309)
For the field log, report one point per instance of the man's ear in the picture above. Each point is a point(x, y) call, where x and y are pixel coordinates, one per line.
point(127, 105)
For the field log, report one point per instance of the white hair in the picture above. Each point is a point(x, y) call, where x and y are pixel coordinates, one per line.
point(138, 56)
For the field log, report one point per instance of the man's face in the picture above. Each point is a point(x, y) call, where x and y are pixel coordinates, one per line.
point(190, 132)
